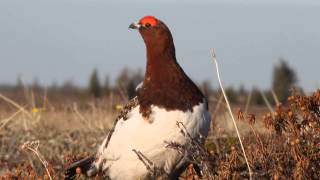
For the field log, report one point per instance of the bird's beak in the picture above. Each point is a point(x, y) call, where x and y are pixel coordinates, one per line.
point(134, 26)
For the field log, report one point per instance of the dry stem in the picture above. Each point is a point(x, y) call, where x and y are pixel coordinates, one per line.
point(33, 147)
point(231, 114)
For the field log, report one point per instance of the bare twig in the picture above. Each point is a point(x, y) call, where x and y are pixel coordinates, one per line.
point(6, 121)
point(275, 97)
point(265, 99)
point(151, 167)
point(15, 104)
point(194, 151)
point(231, 114)
point(33, 146)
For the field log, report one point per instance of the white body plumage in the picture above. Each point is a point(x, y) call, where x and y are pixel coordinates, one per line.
point(149, 136)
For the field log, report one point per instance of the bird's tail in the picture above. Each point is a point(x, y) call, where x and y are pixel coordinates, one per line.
point(86, 167)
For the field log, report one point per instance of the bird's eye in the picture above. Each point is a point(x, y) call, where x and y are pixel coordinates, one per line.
point(147, 25)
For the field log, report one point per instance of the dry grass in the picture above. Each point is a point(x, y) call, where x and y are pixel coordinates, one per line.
point(280, 145)
point(62, 133)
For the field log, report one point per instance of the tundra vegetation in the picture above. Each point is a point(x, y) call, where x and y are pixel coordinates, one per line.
point(44, 129)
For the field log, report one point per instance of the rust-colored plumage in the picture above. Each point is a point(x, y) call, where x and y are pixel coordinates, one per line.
point(167, 96)
point(165, 85)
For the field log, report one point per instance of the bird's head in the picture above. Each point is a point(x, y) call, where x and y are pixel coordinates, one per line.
point(154, 33)
point(146, 22)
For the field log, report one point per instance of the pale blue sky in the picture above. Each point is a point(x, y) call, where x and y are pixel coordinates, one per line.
point(61, 40)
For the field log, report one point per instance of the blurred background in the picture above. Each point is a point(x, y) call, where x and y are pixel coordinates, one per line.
point(85, 45)
point(68, 67)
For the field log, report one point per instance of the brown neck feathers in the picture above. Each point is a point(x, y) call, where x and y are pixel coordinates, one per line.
point(165, 84)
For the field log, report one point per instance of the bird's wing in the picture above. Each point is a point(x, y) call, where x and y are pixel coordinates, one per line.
point(127, 108)
point(86, 163)
point(123, 115)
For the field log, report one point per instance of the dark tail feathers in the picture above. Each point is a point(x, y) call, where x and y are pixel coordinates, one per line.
point(85, 165)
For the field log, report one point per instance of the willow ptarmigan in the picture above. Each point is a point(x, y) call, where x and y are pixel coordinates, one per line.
point(149, 121)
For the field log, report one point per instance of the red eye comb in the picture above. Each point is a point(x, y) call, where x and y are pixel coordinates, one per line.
point(148, 20)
